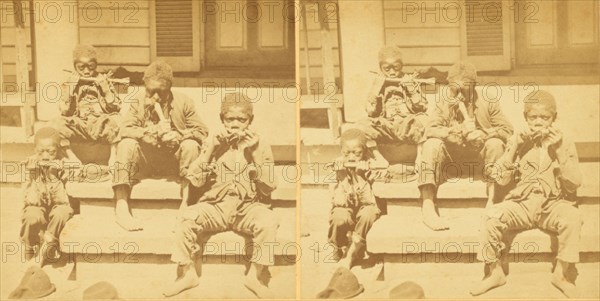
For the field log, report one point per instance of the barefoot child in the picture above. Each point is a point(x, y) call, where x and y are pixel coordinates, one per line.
point(463, 124)
point(354, 209)
point(542, 164)
point(234, 169)
point(89, 104)
point(396, 113)
point(47, 207)
point(161, 135)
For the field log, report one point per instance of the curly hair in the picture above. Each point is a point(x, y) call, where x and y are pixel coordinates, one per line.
point(47, 133)
point(237, 100)
point(390, 52)
point(354, 134)
point(159, 70)
point(539, 97)
point(462, 70)
point(86, 51)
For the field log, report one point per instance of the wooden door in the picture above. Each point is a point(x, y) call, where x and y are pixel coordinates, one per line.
point(557, 32)
point(248, 33)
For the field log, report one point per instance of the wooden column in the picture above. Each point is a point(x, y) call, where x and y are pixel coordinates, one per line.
point(55, 41)
point(22, 68)
point(362, 35)
point(328, 68)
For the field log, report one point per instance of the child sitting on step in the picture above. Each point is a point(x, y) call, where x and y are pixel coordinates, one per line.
point(89, 104)
point(397, 111)
point(542, 165)
point(354, 209)
point(46, 204)
point(463, 125)
point(233, 170)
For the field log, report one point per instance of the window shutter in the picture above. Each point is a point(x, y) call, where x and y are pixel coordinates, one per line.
point(485, 34)
point(176, 33)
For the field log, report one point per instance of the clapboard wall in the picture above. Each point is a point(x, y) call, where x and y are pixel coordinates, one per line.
point(427, 32)
point(119, 29)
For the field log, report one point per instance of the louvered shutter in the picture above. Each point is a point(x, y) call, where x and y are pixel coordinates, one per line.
point(176, 33)
point(485, 34)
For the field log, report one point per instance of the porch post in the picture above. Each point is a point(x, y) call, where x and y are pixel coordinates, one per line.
point(56, 36)
point(362, 35)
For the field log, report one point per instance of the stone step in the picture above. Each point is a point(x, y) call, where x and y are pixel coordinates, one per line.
point(169, 189)
point(393, 234)
point(96, 236)
point(13, 153)
point(146, 276)
point(452, 281)
point(144, 209)
point(455, 188)
point(588, 151)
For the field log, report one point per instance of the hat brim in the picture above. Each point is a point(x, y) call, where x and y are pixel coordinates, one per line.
point(359, 291)
point(19, 291)
point(51, 290)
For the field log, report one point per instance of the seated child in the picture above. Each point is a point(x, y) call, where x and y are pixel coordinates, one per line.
point(47, 207)
point(542, 165)
point(354, 209)
point(234, 170)
point(396, 114)
point(160, 135)
point(89, 104)
point(464, 124)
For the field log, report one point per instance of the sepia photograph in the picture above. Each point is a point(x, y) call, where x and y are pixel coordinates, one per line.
point(449, 149)
point(299, 149)
point(142, 157)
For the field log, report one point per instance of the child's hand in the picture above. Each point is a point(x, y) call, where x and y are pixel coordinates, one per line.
point(73, 78)
point(171, 138)
point(221, 138)
point(374, 105)
point(469, 127)
point(521, 136)
point(164, 126)
point(102, 82)
point(476, 137)
point(250, 140)
point(338, 164)
point(151, 135)
point(554, 138)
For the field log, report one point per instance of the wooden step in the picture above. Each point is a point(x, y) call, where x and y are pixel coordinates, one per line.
point(92, 236)
point(393, 234)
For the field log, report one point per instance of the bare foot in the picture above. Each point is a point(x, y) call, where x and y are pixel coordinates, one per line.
point(255, 286)
point(123, 216)
point(495, 279)
point(128, 222)
point(48, 253)
point(430, 216)
point(188, 280)
point(353, 255)
point(434, 221)
point(561, 283)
